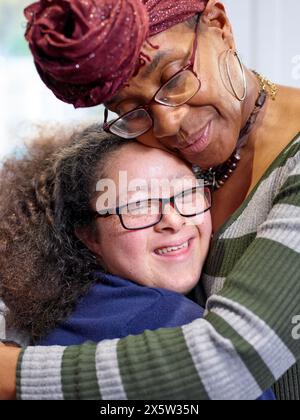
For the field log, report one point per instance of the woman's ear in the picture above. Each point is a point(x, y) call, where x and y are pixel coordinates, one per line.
point(214, 16)
point(88, 235)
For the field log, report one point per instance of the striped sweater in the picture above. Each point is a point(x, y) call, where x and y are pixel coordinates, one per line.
point(248, 339)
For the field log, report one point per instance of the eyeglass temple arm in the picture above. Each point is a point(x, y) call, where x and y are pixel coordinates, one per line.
point(99, 215)
point(105, 116)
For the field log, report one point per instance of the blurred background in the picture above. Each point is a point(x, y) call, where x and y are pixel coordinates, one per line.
point(267, 34)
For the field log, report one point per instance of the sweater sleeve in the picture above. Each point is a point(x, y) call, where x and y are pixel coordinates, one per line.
point(246, 341)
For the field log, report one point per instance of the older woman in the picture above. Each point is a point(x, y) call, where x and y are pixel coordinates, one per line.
point(176, 82)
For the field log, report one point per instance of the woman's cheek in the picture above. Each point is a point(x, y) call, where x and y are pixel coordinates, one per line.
point(133, 254)
point(134, 243)
point(131, 245)
point(205, 229)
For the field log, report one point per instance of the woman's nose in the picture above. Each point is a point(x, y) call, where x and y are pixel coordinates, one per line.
point(171, 220)
point(167, 121)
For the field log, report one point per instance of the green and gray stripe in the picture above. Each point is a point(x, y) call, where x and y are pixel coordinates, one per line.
point(259, 207)
point(212, 285)
point(256, 332)
point(280, 229)
point(204, 344)
point(150, 362)
point(48, 362)
point(108, 373)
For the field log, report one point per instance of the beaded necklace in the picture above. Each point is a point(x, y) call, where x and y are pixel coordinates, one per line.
point(218, 176)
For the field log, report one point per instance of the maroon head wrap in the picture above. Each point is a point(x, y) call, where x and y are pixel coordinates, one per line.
point(86, 50)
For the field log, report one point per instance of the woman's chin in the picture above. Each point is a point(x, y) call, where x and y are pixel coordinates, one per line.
point(217, 153)
point(180, 284)
point(212, 157)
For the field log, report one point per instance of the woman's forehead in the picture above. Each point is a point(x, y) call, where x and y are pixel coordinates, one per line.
point(145, 74)
point(136, 170)
point(171, 48)
point(140, 160)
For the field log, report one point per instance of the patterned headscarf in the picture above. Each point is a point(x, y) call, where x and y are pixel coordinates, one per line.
point(86, 50)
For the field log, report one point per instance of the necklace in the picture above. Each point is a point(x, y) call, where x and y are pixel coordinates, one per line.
point(217, 177)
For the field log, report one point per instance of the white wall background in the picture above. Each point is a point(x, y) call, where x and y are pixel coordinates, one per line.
point(25, 101)
point(268, 38)
point(267, 34)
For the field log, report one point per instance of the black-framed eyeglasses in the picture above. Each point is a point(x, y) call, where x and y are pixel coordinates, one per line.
point(177, 91)
point(148, 213)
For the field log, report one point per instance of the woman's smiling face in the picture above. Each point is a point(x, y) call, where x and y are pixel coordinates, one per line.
point(204, 130)
point(169, 255)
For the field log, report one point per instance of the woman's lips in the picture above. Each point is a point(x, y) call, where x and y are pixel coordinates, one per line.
point(200, 144)
point(178, 255)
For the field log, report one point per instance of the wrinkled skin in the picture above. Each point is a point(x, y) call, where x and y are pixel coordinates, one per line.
point(175, 128)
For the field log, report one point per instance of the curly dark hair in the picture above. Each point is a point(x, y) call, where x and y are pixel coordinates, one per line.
point(44, 196)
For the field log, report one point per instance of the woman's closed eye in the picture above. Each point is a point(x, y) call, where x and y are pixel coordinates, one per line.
point(126, 107)
point(173, 83)
point(123, 107)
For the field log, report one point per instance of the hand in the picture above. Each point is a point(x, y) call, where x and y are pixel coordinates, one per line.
point(8, 368)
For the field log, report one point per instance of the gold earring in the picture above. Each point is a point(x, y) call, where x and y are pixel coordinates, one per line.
point(237, 96)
